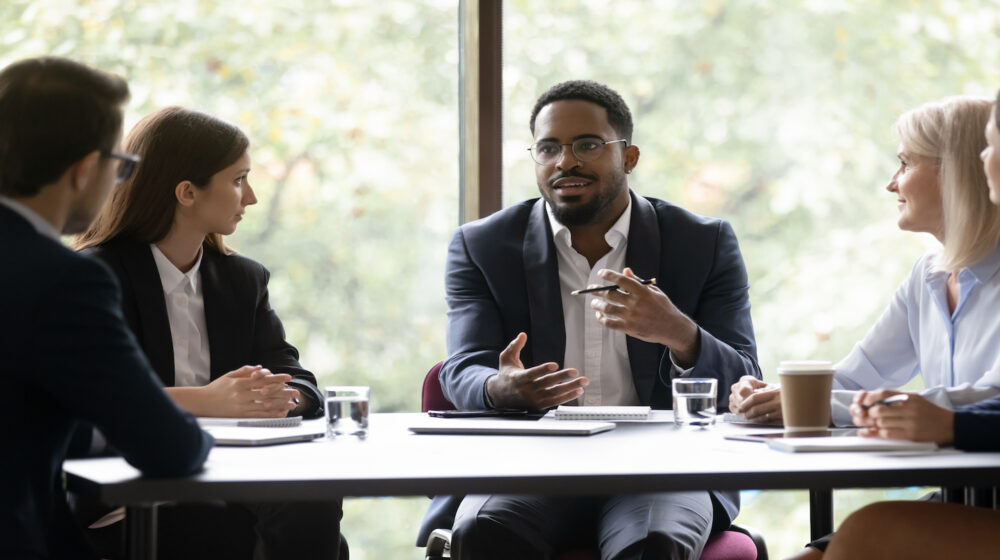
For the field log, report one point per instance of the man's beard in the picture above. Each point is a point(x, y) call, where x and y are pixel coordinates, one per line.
point(587, 213)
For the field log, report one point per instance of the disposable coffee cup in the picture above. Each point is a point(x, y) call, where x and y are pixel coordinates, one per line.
point(805, 394)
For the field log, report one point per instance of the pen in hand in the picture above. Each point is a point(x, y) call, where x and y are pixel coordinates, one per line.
point(888, 400)
point(608, 288)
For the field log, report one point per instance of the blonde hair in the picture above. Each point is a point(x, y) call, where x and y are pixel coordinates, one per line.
point(951, 132)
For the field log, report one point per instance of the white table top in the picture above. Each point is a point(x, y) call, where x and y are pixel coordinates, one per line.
point(632, 458)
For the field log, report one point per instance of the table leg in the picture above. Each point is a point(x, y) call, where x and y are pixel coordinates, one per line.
point(140, 531)
point(979, 497)
point(820, 512)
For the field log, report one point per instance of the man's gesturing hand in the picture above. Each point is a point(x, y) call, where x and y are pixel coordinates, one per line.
point(646, 313)
point(535, 388)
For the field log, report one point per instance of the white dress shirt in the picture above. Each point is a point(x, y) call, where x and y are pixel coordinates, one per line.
point(957, 353)
point(41, 225)
point(186, 314)
point(598, 353)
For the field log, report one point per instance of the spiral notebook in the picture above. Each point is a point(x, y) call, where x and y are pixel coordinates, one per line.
point(604, 413)
point(284, 422)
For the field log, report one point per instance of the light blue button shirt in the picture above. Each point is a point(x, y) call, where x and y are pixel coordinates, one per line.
point(957, 354)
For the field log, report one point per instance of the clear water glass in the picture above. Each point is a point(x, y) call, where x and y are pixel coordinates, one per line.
point(347, 411)
point(695, 401)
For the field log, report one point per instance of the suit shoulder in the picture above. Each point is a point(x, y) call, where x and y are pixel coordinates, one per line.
point(675, 221)
point(511, 218)
point(236, 265)
point(669, 212)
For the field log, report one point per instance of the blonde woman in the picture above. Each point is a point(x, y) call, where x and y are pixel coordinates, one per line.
point(941, 323)
point(921, 529)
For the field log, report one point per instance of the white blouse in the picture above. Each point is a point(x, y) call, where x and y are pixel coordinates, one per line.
point(958, 354)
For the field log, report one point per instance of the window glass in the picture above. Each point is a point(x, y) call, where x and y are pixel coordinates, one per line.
point(351, 108)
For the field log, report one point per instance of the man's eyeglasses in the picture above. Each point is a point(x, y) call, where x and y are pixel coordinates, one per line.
point(126, 166)
point(547, 152)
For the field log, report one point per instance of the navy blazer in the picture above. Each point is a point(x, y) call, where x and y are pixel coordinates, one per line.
point(242, 327)
point(502, 278)
point(66, 355)
point(977, 426)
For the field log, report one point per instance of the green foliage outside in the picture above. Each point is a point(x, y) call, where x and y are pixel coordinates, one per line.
point(775, 115)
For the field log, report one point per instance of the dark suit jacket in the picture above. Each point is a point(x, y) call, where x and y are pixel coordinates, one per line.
point(977, 426)
point(67, 355)
point(242, 327)
point(502, 278)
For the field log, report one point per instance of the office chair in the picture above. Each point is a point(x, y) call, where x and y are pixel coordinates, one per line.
point(735, 543)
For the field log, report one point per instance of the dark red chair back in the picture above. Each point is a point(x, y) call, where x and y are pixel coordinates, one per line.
point(432, 397)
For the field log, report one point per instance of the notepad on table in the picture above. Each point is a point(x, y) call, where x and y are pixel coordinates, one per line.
point(254, 436)
point(490, 426)
point(284, 422)
point(605, 413)
point(848, 443)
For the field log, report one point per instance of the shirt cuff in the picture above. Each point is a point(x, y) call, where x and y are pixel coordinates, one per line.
point(676, 370)
point(486, 394)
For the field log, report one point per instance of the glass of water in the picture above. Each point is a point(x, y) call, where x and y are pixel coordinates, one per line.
point(694, 401)
point(347, 411)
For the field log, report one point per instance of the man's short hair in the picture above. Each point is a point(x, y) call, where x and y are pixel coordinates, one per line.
point(619, 117)
point(53, 112)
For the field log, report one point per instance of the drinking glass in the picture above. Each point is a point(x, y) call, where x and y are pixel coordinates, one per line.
point(347, 411)
point(695, 401)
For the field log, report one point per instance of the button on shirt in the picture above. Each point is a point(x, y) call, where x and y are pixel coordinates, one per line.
point(956, 353)
point(186, 314)
point(598, 353)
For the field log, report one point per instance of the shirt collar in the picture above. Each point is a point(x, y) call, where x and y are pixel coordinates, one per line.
point(987, 267)
point(41, 225)
point(614, 236)
point(170, 276)
point(981, 272)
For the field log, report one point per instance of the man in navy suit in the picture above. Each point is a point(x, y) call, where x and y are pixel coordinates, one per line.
point(65, 352)
point(518, 338)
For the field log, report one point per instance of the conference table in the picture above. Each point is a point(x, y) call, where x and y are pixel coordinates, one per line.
point(633, 458)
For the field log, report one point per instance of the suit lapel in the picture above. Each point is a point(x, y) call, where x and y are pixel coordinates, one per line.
point(151, 307)
point(547, 339)
point(643, 256)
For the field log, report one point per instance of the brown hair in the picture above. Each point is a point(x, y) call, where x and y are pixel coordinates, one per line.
point(175, 145)
point(53, 112)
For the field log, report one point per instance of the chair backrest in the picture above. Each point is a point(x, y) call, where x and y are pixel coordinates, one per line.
point(432, 397)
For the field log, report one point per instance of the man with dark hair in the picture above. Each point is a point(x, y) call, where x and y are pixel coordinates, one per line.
point(513, 320)
point(66, 354)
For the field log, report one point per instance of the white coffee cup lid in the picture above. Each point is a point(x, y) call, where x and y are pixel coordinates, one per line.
point(805, 366)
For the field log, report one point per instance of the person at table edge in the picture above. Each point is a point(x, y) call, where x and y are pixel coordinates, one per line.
point(65, 351)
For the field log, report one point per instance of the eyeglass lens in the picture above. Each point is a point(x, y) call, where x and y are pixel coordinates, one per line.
point(125, 169)
point(584, 149)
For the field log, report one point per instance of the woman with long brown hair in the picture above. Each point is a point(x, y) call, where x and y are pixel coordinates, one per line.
point(201, 314)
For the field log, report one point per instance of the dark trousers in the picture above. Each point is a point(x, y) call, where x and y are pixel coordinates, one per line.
point(672, 525)
point(239, 531)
